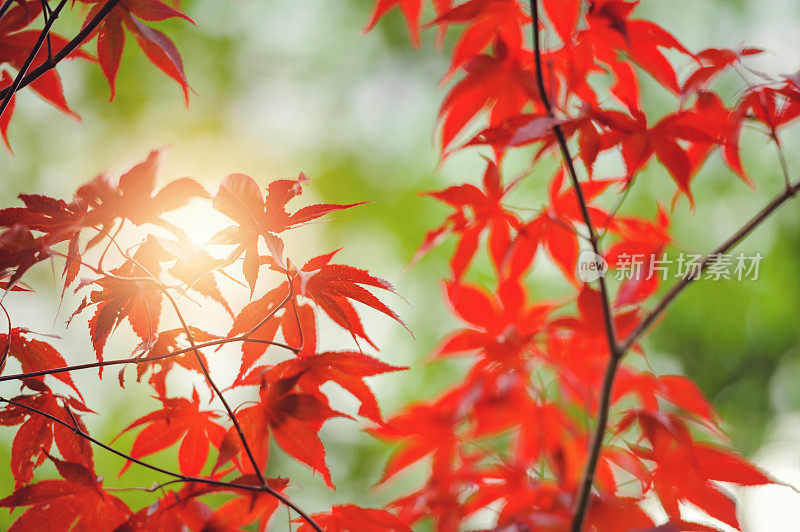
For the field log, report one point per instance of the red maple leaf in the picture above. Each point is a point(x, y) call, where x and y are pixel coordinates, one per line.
point(78, 500)
point(247, 506)
point(411, 11)
point(240, 199)
point(333, 287)
point(132, 198)
point(486, 20)
point(19, 251)
point(352, 517)
point(36, 434)
point(159, 49)
point(179, 420)
point(35, 355)
point(168, 342)
point(554, 229)
point(345, 368)
point(504, 83)
point(476, 211)
point(174, 511)
point(292, 417)
point(127, 293)
point(501, 326)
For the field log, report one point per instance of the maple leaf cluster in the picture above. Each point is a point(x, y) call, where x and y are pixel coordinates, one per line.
point(141, 290)
point(514, 435)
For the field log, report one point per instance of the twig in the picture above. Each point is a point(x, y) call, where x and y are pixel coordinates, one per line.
point(183, 478)
point(781, 158)
point(15, 86)
point(5, 6)
point(587, 477)
point(59, 56)
point(790, 192)
point(608, 318)
point(216, 389)
point(140, 359)
point(47, 12)
point(615, 210)
point(108, 245)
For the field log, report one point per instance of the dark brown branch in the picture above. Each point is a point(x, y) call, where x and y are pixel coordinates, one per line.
point(199, 358)
point(608, 317)
point(43, 35)
point(59, 56)
point(216, 389)
point(204, 368)
point(5, 6)
point(47, 13)
point(605, 403)
point(790, 192)
point(183, 478)
point(587, 478)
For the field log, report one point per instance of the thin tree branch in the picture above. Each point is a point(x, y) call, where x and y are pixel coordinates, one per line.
point(183, 478)
point(790, 192)
point(294, 309)
point(5, 6)
point(59, 56)
point(201, 363)
point(608, 317)
point(15, 86)
point(596, 444)
point(615, 210)
point(140, 359)
point(216, 389)
point(47, 12)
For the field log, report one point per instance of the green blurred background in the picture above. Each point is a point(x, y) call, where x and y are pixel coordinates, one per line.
point(283, 87)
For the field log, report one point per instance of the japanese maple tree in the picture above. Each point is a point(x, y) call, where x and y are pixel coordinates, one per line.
point(551, 428)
